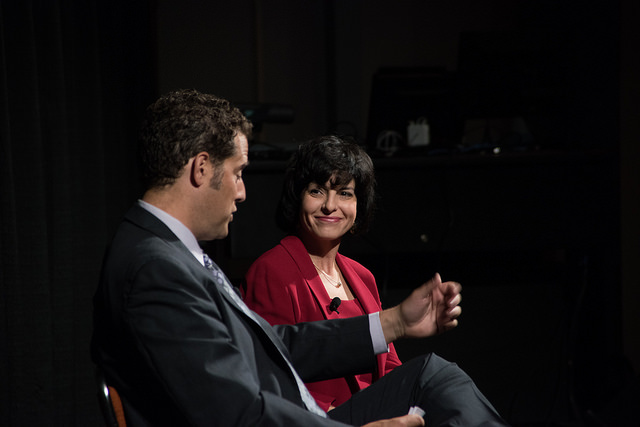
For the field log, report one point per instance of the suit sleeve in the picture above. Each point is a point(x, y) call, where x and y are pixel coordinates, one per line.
point(182, 332)
point(391, 359)
point(271, 290)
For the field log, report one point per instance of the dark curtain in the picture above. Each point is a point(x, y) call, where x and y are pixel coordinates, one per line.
point(74, 79)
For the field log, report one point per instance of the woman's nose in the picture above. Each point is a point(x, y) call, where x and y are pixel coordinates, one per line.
point(329, 203)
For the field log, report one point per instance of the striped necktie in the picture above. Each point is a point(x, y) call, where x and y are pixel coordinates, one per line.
point(221, 279)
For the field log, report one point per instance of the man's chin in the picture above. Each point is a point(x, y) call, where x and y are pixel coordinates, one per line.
point(222, 235)
point(216, 235)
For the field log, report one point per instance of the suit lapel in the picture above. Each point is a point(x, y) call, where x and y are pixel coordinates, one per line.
point(296, 249)
point(150, 222)
point(235, 301)
point(358, 287)
point(366, 299)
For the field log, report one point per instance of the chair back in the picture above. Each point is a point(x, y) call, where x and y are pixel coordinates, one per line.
point(110, 403)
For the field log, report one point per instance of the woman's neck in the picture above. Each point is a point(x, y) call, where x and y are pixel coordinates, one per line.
point(323, 253)
point(323, 256)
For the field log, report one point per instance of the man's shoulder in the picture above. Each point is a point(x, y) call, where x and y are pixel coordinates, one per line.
point(137, 243)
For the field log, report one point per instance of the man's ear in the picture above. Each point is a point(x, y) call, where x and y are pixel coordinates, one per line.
point(201, 169)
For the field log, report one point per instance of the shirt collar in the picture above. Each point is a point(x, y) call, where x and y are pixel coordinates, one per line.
point(179, 229)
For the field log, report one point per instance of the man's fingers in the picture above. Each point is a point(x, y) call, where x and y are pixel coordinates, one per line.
point(455, 312)
point(413, 420)
point(434, 283)
point(449, 325)
point(451, 288)
point(455, 301)
point(410, 420)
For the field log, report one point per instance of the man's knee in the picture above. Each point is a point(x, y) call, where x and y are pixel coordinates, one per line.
point(436, 371)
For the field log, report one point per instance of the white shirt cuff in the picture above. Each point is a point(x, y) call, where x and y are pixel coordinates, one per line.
point(377, 335)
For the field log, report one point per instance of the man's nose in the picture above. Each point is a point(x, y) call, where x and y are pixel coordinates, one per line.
point(242, 192)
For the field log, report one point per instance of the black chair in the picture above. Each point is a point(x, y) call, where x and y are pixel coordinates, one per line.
point(110, 402)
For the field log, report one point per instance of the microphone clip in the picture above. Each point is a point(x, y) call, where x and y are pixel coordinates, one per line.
point(335, 303)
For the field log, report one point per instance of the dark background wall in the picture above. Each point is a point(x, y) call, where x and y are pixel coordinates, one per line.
point(544, 241)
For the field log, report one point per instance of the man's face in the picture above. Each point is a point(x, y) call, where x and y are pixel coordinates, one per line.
point(225, 190)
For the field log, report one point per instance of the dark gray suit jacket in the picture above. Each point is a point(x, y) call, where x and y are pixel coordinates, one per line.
point(181, 353)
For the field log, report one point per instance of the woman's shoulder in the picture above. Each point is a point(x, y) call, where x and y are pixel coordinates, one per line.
point(279, 258)
point(285, 248)
point(270, 278)
point(358, 268)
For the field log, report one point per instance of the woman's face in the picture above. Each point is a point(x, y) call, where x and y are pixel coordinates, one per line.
point(328, 213)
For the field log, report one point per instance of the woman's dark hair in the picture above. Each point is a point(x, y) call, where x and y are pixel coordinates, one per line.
point(181, 124)
point(321, 159)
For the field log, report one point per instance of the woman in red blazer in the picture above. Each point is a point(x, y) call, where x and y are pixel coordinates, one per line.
point(329, 190)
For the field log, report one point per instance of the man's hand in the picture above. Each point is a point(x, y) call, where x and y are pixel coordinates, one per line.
point(429, 310)
point(410, 420)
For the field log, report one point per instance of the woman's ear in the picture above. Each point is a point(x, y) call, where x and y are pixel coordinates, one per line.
point(201, 169)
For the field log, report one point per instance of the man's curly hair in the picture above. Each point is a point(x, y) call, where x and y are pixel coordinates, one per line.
point(180, 125)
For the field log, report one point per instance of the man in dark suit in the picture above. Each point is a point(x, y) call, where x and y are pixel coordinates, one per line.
point(181, 348)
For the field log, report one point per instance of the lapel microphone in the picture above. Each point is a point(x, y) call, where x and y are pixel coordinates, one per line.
point(335, 303)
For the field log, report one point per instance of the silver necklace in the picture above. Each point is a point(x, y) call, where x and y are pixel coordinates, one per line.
point(333, 282)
